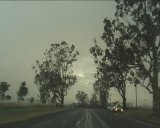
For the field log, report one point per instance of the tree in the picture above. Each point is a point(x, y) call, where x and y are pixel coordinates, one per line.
point(4, 86)
point(82, 97)
point(8, 97)
point(117, 78)
point(32, 100)
point(94, 100)
point(143, 29)
point(101, 88)
point(101, 85)
point(112, 68)
point(118, 54)
point(54, 76)
point(22, 92)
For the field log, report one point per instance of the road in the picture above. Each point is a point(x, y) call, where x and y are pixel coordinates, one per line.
point(85, 118)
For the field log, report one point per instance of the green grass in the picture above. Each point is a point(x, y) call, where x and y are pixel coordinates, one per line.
point(145, 115)
point(14, 112)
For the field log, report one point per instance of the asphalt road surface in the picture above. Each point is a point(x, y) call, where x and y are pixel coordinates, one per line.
point(85, 118)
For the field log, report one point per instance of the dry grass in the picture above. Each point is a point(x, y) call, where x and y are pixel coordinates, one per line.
point(14, 112)
point(145, 115)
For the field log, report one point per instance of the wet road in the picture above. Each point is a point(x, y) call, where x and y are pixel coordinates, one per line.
point(86, 118)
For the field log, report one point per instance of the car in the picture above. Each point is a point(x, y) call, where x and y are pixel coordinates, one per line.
point(115, 109)
point(118, 109)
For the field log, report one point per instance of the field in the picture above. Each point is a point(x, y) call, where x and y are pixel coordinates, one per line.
point(14, 112)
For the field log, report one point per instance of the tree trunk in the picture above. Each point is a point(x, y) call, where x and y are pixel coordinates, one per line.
point(156, 98)
point(62, 99)
point(42, 98)
point(124, 102)
point(103, 99)
point(156, 101)
point(156, 94)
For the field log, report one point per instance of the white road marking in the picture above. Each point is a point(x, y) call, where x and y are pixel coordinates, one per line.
point(88, 120)
point(104, 125)
point(85, 122)
point(79, 121)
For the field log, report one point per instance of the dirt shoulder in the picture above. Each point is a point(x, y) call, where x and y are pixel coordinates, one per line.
point(144, 115)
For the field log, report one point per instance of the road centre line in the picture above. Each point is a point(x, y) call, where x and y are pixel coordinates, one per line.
point(79, 121)
point(104, 125)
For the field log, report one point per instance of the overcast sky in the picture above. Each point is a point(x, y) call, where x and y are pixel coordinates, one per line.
point(28, 28)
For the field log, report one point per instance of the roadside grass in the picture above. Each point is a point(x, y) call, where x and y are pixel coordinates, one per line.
point(14, 112)
point(144, 115)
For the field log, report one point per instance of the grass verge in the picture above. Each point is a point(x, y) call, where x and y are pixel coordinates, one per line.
point(13, 113)
point(144, 115)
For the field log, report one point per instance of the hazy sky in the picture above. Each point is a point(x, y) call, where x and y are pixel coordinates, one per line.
point(28, 28)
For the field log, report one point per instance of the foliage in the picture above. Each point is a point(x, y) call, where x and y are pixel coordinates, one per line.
point(8, 97)
point(119, 55)
point(94, 100)
point(112, 69)
point(54, 75)
point(143, 34)
point(32, 100)
point(101, 88)
point(22, 92)
point(133, 45)
point(82, 97)
point(4, 86)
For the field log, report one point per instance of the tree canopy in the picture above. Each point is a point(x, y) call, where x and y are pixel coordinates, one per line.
point(143, 36)
point(132, 49)
point(23, 91)
point(82, 97)
point(4, 86)
point(54, 76)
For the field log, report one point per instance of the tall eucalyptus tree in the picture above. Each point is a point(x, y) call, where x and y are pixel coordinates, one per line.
point(54, 75)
